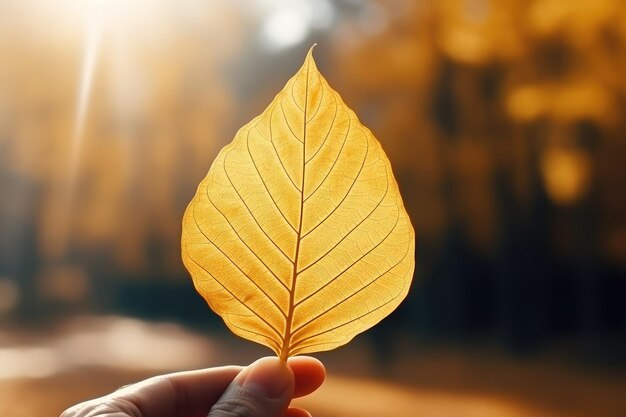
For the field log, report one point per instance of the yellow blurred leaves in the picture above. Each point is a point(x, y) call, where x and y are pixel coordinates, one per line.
point(566, 174)
point(566, 102)
point(298, 236)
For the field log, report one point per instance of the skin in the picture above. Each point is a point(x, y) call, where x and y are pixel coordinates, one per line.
point(263, 389)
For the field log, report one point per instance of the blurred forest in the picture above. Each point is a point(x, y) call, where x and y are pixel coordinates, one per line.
point(504, 121)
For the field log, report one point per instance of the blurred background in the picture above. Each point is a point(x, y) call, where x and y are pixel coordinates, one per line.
point(504, 121)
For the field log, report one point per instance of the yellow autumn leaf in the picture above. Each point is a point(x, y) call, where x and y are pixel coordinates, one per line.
point(298, 237)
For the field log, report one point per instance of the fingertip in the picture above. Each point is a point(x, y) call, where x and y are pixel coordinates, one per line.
point(305, 361)
point(297, 412)
point(268, 377)
point(309, 374)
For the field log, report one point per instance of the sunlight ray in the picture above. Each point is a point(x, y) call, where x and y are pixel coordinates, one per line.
point(92, 46)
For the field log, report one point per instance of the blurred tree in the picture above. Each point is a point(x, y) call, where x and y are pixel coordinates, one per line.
point(513, 105)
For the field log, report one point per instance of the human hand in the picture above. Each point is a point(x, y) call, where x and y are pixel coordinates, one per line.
point(263, 389)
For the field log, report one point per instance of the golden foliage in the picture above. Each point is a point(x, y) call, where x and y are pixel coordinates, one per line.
point(298, 236)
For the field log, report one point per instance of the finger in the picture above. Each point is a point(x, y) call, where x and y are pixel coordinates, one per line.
point(263, 389)
point(309, 374)
point(297, 412)
point(182, 394)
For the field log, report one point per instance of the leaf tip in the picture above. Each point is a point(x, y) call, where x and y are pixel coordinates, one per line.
point(309, 55)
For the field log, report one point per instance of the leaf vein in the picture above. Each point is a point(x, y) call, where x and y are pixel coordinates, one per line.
point(244, 242)
point(299, 342)
point(233, 262)
point(293, 84)
point(308, 322)
point(250, 212)
point(273, 344)
point(282, 110)
point(350, 231)
point(276, 152)
point(318, 106)
point(330, 128)
point(333, 165)
point(237, 298)
point(256, 168)
point(340, 203)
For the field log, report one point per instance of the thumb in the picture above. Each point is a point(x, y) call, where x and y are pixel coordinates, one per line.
point(263, 389)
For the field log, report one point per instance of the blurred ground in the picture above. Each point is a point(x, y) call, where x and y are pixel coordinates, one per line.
point(44, 372)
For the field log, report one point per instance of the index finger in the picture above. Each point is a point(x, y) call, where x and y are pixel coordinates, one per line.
point(309, 373)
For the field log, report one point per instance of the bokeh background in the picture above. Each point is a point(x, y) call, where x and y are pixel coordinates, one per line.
point(504, 121)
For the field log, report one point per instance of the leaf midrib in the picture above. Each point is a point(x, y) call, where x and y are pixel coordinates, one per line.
point(284, 353)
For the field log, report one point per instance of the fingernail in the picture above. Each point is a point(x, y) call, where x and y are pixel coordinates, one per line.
point(267, 377)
